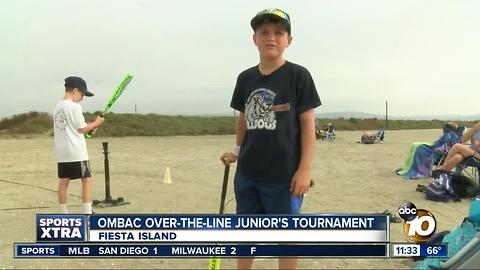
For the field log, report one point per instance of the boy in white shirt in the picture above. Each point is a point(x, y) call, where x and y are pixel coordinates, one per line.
point(69, 127)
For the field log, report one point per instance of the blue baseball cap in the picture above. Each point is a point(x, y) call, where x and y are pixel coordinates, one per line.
point(79, 83)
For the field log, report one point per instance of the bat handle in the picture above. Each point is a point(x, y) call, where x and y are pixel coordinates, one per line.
point(89, 134)
point(224, 188)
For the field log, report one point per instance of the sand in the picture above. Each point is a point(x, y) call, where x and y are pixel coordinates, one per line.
point(350, 178)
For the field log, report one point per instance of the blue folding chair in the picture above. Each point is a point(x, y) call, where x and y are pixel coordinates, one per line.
point(467, 258)
point(463, 245)
point(470, 167)
point(379, 136)
point(330, 134)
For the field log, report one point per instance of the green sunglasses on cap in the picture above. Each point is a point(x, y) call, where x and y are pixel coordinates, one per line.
point(272, 13)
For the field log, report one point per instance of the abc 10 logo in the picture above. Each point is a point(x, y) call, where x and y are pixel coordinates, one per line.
point(419, 224)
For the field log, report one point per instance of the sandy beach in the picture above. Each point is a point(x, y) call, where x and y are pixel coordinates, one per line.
point(349, 178)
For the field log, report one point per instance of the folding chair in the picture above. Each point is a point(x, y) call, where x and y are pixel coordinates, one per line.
point(379, 136)
point(463, 245)
point(440, 152)
point(466, 258)
point(444, 144)
point(330, 134)
point(319, 134)
point(470, 167)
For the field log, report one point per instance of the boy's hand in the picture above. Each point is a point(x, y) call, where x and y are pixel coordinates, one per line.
point(99, 120)
point(300, 182)
point(228, 158)
point(91, 128)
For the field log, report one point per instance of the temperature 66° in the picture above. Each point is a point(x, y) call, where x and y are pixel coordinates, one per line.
point(433, 250)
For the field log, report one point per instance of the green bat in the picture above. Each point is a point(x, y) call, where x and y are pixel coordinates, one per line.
point(116, 94)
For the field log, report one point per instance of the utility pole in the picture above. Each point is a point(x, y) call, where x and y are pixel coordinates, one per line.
point(386, 114)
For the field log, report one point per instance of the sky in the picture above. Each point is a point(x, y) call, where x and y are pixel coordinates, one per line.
point(420, 56)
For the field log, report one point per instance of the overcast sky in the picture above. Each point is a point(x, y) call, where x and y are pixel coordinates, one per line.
point(421, 56)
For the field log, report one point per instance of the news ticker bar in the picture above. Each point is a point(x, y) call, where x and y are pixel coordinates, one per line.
point(30, 250)
point(54, 228)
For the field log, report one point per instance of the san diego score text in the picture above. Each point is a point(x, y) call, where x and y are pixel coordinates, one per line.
point(160, 251)
point(167, 228)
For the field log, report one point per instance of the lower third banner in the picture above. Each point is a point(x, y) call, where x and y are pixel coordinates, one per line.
point(138, 250)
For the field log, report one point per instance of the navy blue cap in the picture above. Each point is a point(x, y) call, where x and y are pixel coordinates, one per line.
point(79, 83)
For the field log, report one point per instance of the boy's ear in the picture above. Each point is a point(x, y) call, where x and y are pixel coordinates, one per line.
point(290, 38)
point(254, 39)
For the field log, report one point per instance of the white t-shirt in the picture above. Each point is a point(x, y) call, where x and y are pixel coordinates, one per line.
point(70, 144)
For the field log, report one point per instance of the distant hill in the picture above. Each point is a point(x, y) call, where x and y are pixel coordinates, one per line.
point(348, 114)
point(26, 123)
point(471, 117)
point(362, 115)
point(123, 124)
point(120, 125)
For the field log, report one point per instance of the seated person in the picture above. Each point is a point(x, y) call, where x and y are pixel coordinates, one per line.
point(367, 138)
point(475, 141)
point(450, 127)
point(454, 129)
point(319, 133)
point(328, 127)
point(460, 151)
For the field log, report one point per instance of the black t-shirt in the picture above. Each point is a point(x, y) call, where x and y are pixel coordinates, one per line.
point(270, 151)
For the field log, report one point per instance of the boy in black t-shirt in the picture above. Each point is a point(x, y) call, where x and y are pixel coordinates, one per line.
point(275, 128)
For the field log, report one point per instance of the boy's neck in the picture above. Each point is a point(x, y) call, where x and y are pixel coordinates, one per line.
point(68, 96)
point(268, 66)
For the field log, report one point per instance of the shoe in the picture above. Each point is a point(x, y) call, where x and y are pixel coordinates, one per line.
point(421, 188)
point(393, 218)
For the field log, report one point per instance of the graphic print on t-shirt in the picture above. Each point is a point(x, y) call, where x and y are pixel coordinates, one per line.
point(60, 120)
point(258, 110)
